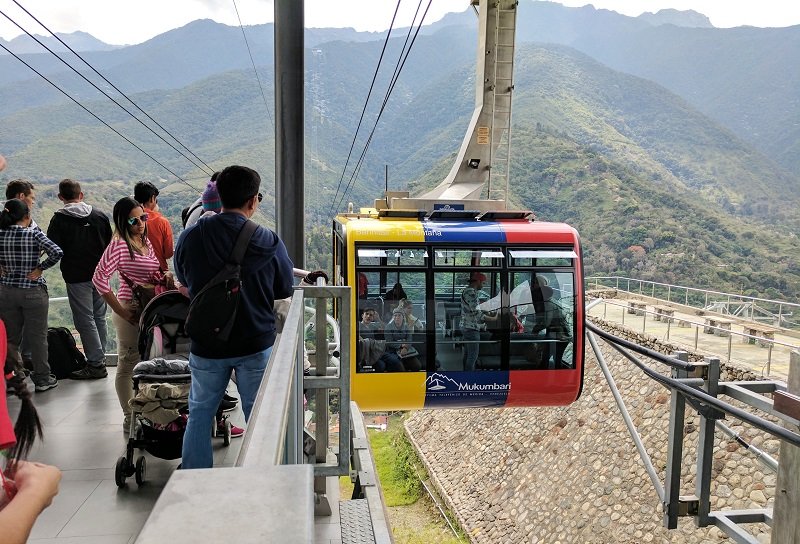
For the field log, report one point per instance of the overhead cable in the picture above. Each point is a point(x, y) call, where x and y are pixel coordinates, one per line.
point(253, 62)
point(208, 171)
point(87, 110)
point(398, 69)
point(364, 109)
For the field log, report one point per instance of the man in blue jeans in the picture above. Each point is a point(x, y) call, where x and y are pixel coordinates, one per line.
point(83, 232)
point(266, 274)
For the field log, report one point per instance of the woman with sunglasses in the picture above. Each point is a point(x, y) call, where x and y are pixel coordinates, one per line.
point(131, 256)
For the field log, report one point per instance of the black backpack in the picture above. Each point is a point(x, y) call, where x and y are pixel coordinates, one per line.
point(62, 353)
point(213, 309)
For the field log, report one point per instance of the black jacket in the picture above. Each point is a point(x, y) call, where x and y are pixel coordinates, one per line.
point(83, 233)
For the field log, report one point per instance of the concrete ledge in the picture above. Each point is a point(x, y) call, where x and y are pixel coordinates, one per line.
point(242, 505)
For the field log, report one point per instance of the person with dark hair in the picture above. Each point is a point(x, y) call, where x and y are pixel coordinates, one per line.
point(23, 291)
point(159, 231)
point(266, 275)
point(25, 488)
point(83, 233)
point(473, 319)
point(396, 293)
point(131, 256)
point(24, 190)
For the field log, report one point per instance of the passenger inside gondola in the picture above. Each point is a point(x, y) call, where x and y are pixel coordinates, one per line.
point(549, 320)
point(399, 344)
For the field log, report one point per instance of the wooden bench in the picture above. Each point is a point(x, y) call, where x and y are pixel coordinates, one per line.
point(717, 325)
point(636, 307)
point(758, 334)
point(664, 314)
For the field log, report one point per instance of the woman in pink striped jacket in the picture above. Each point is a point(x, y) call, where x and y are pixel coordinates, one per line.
point(131, 256)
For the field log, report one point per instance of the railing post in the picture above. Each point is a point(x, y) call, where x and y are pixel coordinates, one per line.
point(705, 447)
point(644, 320)
point(672, 483)
point(786, 522)
point(769, 357)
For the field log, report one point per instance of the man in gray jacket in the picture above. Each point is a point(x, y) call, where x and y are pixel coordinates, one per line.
point(83, 233)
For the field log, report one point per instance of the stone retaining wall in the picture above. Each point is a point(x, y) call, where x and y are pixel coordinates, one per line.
point(573, 474)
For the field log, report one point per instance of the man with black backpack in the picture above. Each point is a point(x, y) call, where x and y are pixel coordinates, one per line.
point(83, 232)
point(237, 333)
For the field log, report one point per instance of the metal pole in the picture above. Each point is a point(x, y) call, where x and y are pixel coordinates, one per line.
point(769, 357)
point(705, 448)
point(786, 522)
point(289, 113)
point(672, 480)
point(696, 334)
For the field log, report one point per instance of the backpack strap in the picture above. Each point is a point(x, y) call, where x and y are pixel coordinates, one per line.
point(242, 241)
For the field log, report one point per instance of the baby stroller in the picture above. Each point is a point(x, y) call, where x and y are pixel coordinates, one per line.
point(161, 383)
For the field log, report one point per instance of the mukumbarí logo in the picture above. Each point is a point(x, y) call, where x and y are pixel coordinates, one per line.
point(441, 384)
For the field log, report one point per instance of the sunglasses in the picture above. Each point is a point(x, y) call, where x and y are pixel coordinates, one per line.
point(135, 220)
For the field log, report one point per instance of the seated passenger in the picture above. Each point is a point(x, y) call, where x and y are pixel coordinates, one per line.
point(413, 322)
point(370, 325)
point(398, 344)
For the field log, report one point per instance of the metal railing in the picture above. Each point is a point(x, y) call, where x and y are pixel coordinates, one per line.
point(273, 491)
point(698, 386)
point(661, 323)
point(751, 308)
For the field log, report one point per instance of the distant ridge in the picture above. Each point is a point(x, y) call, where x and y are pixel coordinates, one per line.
point(79, 41)
point(686, 18)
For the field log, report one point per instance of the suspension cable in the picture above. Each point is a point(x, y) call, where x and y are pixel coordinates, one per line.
point(396, 76)
point(253, 62)
point(87, 110)
point(364, 109)
point(68, 65)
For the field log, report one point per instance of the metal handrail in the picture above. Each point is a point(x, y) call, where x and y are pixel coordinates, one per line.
point(670, 287)
point(734, 333)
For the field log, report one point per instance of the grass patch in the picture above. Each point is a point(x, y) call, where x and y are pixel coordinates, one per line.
point(395, 461)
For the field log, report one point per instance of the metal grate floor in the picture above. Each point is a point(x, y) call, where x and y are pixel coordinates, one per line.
point(356, 522)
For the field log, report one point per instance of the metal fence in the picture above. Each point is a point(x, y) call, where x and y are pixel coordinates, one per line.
point(700, 334)
point(762, 310)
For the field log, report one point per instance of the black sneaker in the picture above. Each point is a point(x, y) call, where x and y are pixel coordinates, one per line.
point(90, 373)
point(230, 398)
point(43, 384)
point(227, 405)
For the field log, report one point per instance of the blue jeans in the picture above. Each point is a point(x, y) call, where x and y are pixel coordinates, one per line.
point(210, 377)
point(89, 316)
point(471, 347)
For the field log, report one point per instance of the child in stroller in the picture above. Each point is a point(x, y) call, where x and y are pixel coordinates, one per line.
point(161, 383)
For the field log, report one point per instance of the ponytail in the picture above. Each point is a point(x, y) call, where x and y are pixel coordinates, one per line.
point(13, 211)
point(28, 425)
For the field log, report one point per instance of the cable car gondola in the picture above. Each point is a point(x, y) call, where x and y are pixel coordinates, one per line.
point(530, 348)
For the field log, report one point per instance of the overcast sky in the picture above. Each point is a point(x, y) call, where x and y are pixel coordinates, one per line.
point(135, 21)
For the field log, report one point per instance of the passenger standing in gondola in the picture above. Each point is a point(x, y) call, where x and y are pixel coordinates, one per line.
point(24, 301)
point(83, 233)
point(473, 319)
point(266, 275)
point(131, 256)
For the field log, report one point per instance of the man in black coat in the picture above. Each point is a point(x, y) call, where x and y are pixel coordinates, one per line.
point(83, 232)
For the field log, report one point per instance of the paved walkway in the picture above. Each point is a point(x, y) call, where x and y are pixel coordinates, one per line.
point(687, 329)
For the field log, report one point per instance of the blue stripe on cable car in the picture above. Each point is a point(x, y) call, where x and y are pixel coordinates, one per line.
point(466, 232)
point(461, 389)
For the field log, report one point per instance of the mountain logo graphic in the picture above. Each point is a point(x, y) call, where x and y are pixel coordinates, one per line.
point(440, 382)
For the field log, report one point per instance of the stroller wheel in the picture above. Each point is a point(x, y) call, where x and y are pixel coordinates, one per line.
point(226, 438)
point(141, 468)
point(121, 472)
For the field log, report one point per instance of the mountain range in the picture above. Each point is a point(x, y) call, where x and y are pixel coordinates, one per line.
point(670, 144)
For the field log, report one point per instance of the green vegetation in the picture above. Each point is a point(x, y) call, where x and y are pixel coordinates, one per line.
point(412, 515)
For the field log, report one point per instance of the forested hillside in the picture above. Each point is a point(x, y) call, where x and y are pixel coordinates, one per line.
point(657, 189)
